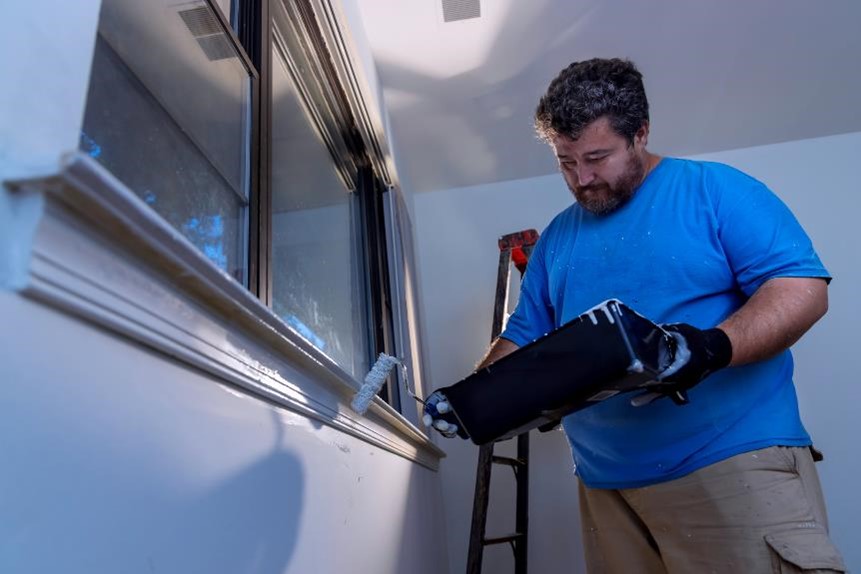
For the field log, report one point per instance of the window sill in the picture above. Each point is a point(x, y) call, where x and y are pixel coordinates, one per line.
point(102, 254)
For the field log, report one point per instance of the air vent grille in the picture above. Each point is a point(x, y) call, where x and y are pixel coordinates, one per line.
point(453, 10)
point(206, 29)
point(216, 47)
point(200, 21)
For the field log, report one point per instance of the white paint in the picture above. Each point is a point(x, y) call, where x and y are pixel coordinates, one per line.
point(681, 356)
point(603, 306)
point(373, 382)
point(45, 74)
point(608, 314)
point(818, 180)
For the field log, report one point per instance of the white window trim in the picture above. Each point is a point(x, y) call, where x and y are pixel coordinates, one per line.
point(93, 249)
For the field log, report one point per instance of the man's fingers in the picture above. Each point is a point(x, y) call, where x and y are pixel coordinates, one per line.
point(441, 425)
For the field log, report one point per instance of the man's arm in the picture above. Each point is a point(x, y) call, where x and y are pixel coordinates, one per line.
point(775, 317)
point(498, 349)
point(779, 312)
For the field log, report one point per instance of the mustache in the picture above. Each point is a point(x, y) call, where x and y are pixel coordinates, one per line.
point(586, 188)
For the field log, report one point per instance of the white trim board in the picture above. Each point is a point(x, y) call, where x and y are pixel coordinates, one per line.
point(100, 253)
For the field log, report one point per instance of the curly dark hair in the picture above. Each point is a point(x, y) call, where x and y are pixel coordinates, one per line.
point(588, 90)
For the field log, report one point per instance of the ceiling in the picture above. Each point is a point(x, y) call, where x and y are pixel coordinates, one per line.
point(720, 74)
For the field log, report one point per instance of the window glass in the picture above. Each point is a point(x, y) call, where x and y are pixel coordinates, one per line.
point(317, 275)
point(168, 113)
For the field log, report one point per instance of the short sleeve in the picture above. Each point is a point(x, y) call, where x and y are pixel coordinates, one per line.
point(760, 236)
point(533, 315)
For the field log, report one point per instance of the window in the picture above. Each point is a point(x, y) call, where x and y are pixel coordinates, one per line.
point(168, 113)
point(251, 151)
point(317, 266)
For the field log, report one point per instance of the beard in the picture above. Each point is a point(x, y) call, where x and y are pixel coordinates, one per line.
point(605, 198)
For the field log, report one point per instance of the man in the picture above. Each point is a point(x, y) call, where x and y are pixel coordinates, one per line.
point(725, 483)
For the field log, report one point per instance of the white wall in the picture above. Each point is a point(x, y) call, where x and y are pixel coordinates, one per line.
point(46, 53)
point(456, 243)
point(371, 85)
point(117, 459)
point(818, 179)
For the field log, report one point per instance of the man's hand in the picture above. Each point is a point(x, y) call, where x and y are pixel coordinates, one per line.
point(699, 353)
point(437, 414)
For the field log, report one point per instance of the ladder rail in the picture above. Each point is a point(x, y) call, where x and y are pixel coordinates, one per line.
point(522, 505)
point(516, 248)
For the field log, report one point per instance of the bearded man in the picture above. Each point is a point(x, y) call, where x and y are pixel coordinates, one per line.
point(726, 482)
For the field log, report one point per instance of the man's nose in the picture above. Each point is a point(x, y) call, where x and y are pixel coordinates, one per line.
point(585, 175)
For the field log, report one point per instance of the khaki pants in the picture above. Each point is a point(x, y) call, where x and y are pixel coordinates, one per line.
point(761, 511)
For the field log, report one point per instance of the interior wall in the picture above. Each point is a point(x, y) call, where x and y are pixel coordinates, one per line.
point(369, 76)
point(118, 459)
point(818, 180)
point(456, 244)
point(47, 52)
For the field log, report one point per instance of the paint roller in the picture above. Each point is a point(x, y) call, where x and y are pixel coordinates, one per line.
point(375, 379)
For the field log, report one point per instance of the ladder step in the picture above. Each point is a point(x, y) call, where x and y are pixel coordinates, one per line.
point(504, 539)
point(513, 462)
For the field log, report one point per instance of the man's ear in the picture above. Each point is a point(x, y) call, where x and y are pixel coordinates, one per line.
point(641, 138)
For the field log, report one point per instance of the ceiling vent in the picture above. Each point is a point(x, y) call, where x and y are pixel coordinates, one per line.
point(454, 10)
point(206, 29)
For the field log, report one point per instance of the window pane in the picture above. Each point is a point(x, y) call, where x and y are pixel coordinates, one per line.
point(168, 114)
point(316, 272)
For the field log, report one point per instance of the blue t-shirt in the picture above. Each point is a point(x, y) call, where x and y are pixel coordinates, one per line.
point(692, 245)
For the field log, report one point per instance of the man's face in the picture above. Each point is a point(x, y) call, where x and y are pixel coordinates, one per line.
point(601, 168)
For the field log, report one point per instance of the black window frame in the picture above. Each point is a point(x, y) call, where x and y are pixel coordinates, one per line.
point(253, 27)
point(254, 34)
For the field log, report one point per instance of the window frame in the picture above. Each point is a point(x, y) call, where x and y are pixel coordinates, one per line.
point(380, 315)
point(329, 88)
point(254, 35)
point(323, 89)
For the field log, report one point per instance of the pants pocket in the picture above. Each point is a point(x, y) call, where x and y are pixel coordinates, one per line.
point(804, 550)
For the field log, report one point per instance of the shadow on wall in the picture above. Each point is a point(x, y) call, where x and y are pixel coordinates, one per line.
point(73, 503)
point(247, 524)
point(423, 495)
